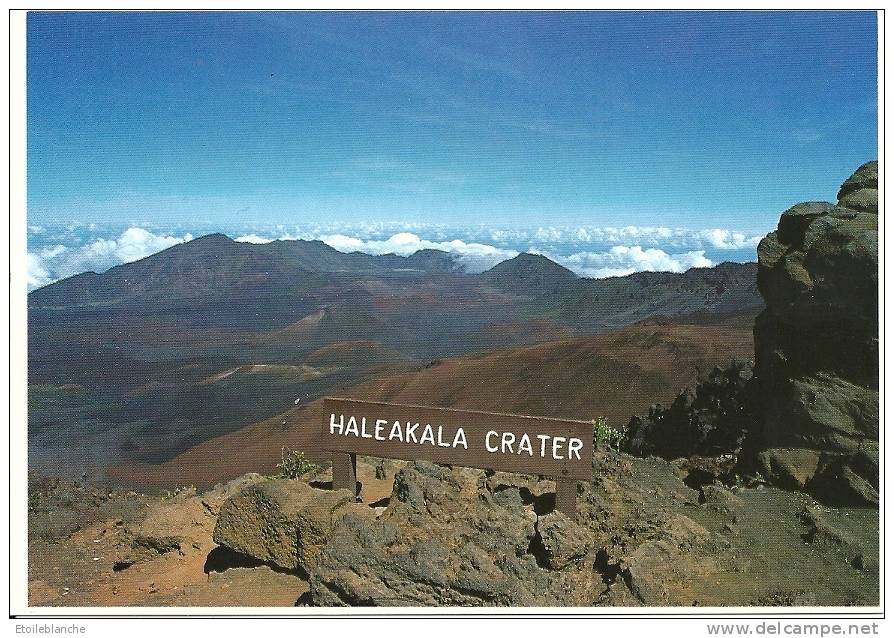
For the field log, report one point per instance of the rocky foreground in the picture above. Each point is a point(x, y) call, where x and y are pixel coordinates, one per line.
point(646, 532)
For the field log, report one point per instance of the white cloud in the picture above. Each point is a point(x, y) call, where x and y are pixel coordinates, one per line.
point(52, 263)
point(344, 243)
point(549, 234)
point(51, 251)
point(37, 274)
point(474, 257)
point(136, 243)
point(609, 234)
point(716, 238)
point(723, 239)
point(252, 238)
point(625, 260)
point(806, 135)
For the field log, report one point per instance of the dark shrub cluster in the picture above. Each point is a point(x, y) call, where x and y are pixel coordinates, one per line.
point(713, 420)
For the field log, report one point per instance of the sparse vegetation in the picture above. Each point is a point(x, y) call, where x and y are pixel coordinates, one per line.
point(293, 465)
point(34, 501)
point(185, 489)
point(604, 434)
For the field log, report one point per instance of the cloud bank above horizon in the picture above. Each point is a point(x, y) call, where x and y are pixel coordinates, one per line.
point(589, 251)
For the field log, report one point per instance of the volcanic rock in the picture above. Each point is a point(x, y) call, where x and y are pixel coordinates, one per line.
point(860, 191)
point(563, 541)
point(446, 540)
point(283, 522)
point(816, 345)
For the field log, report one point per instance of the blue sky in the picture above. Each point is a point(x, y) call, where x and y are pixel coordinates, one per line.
point(597, 117)
point(517, 120)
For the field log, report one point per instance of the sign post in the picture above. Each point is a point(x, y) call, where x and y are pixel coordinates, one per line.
point(560, 448)
point(344, 471)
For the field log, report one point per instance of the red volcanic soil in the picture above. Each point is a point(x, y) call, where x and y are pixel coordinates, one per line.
point(298, 330)
point(615, 375)
point(532, 331)
point(395, 303)
point(359, 354)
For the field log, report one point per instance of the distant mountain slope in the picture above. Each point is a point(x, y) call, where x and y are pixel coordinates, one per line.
point(215, 265)
point(594, 305)
point(615, 374)
point(529, 274)
point(215, 269)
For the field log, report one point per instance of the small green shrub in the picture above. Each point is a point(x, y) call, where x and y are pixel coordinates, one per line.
point(293, 464)
point(604, 434)
point(34, 501)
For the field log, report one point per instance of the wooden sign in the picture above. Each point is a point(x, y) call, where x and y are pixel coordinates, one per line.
point(559, 448)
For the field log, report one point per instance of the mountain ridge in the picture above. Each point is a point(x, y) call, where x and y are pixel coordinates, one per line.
point(207, 264)
point(211, 264)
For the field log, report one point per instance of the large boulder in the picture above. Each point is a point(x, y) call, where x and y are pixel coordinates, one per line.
point(284, 522)
point(816, 345)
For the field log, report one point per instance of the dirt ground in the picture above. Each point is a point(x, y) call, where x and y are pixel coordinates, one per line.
point(93, 547)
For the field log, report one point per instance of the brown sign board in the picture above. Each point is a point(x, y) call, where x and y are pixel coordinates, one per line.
point(559, 448)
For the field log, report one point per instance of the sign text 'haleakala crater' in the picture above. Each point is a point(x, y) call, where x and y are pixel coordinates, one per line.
point(514, 443)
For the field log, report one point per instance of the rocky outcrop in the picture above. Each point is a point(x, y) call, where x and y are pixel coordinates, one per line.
point(445, 539)
point(459, 536)
point(283, 522)
point(860, 190)
point(816, 345)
